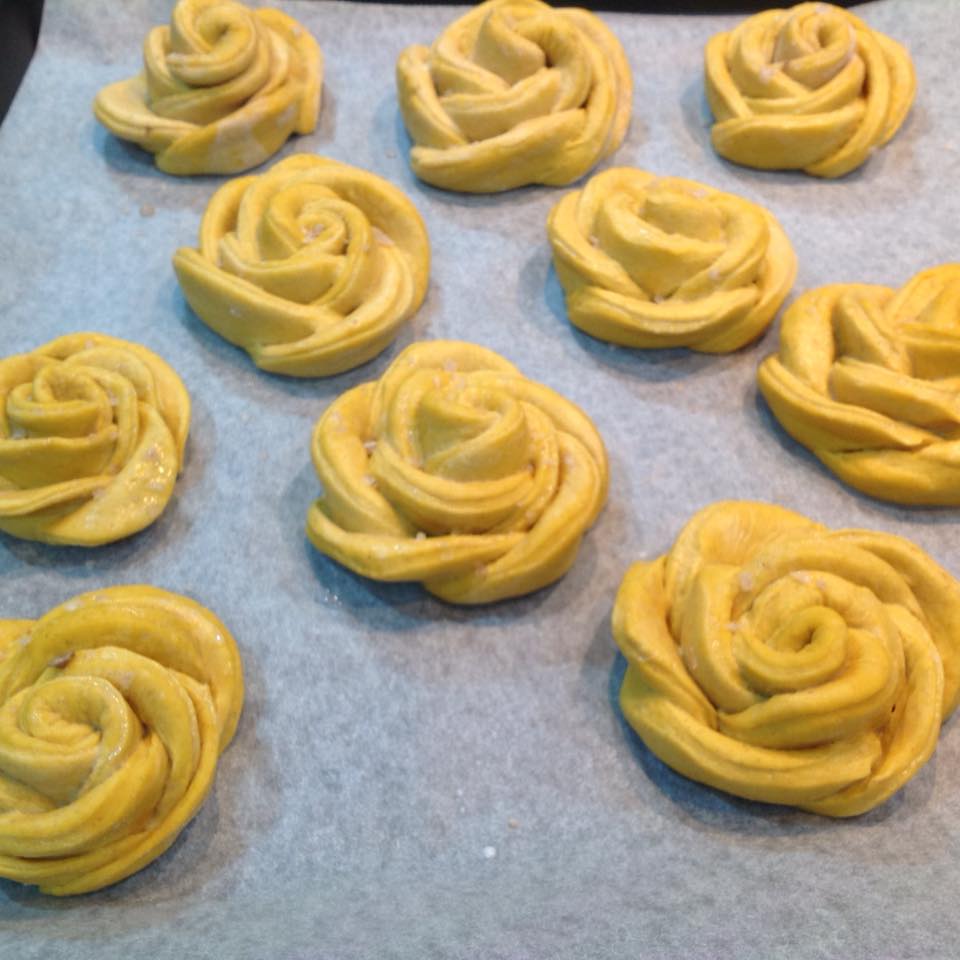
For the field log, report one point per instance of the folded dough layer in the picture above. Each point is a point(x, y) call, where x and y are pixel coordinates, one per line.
point(114, 709)
point(455, 470)
point(513, 93)
point(868, 378)
point(777, 660)
point(809, 88)
point(92, 436)
point(222, 88)
point(311, 267)
point(649, 261)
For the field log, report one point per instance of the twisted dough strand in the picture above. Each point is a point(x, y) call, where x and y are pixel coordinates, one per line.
point(649, 262)
point(455, 470)
point(779, 661)
point(222, 88)
point(114, 708)
point(868, 378)
point(92, 435)
point(514, 93)
point(809, 88)
point(310, 267)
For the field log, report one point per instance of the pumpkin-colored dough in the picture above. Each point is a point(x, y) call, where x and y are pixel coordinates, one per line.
point(809, 88)
point(780, 661)
point(114, 709)
point(650, 261)
point(455, 470)
point(222, 88)
point(513, 93)
point(868, 378)
point(92, 434)
point(311, 267)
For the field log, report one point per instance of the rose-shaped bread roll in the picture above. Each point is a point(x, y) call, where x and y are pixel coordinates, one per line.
point(810, 88)
point(650, 261)
point(92, 432)
point(310, 267)
point(780, 661)
point(222, 88)
point(514, 93)
point(869, 379)
point(455, 470)
point(114, 709)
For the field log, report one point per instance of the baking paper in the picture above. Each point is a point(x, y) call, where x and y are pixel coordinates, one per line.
point(412, 780)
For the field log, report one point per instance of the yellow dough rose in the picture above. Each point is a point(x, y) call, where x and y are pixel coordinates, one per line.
point(780, 661)
point(114, 709)
point(650, 261)
point(810, 88)
point(455, 470)
point(92, 432)
point(513, 93)
point(311, 267)
point(869, 379)
point(222, 88)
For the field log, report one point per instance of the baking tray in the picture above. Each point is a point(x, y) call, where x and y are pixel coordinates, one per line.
point(413, 780)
